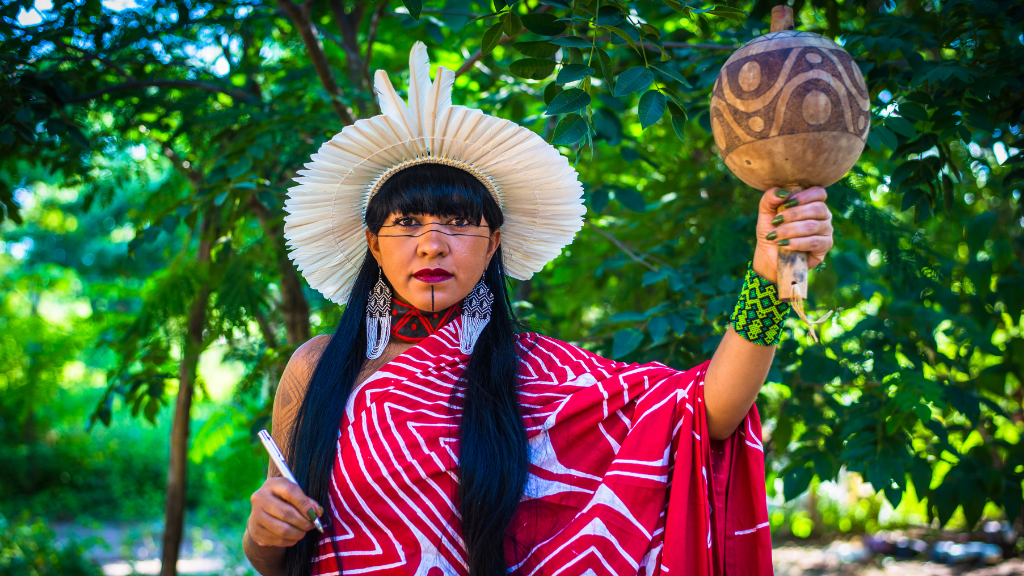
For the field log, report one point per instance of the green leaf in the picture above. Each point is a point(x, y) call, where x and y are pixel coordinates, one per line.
point(903, 171)
point(901, 126)
point(569, 130)
point(606, 68)
point(733, 14)
point(633, 80)
point(678, 116)
point(598, 200)
point(572, 42)
point(255, 151)
point(625, 341)
point(434, 32)
point(608, 125)
point(671, 74)
point(570, 100)
point(512, 24)
point(651, 108)
point(609, 16)
point(217, 201)
point(631, 199)
point(913, 111)
point(873, 141)
point(239, 167)
point(170, 223)
point(657, 327)
point(415, 7)
point(491, 38)
point(543, 24)
point(499, 5)
point(551, 91)
point(532, 68)
point(677, 323)
point(573, 72)
point(796, 482)
point(626, 38)
point(887, 138)
point(538, 49)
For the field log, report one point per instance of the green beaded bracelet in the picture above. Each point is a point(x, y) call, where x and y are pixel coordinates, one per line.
point(759, 313)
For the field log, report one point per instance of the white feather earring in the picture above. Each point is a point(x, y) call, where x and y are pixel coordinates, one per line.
point(476, 313)
point(378, 318)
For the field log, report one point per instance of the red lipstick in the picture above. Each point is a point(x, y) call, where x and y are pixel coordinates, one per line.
point(433, 275)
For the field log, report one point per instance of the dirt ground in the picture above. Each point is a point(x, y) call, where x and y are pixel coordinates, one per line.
point(133, 549)
point(792, 560)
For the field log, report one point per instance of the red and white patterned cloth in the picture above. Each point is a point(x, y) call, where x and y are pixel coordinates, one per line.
point(623, 478)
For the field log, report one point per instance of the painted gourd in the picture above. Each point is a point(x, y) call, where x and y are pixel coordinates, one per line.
point(790, 109)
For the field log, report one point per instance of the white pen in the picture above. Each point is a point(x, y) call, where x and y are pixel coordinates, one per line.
point(278, 459)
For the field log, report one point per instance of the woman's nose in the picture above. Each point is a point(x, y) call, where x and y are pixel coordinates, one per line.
point(433, 241)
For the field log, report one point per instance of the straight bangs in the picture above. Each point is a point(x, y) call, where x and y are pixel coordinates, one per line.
point(435, 190)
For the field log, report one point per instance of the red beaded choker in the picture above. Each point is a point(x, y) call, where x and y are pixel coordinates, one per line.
point(410, 324)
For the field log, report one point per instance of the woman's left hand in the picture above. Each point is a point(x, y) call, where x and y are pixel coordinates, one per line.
point(800, 222)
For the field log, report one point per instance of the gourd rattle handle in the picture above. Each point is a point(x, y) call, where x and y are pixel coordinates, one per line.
point(791, 270)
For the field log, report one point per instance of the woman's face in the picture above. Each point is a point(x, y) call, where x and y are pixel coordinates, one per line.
point(432, 262)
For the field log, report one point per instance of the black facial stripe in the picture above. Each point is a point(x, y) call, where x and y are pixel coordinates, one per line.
point(428, 232)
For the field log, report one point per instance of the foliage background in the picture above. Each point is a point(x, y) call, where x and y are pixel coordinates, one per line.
point(145, 151)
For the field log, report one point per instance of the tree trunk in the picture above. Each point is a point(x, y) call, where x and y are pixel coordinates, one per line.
point(174, 512)
point(294, 306)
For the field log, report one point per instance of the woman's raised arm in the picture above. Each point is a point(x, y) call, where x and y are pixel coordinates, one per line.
point(800, 222)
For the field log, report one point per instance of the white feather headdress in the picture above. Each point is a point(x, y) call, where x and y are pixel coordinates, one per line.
point(537, 190)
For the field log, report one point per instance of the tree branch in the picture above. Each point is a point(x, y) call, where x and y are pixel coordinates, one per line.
point(300, 16)
point(622, 245)
point(348, 27)
point(371, 37)
point(136, 84)
point(476, 56)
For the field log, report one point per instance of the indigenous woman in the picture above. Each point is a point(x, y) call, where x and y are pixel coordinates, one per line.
point(431, 436)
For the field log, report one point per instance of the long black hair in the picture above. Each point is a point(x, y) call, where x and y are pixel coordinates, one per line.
point(493, 458)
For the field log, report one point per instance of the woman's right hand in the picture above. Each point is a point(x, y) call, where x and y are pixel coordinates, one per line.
point(280, 513)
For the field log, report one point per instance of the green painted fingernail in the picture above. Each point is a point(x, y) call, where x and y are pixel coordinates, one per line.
point(791, 203)
point(782, 243)
point(320, 511)
point(777, 220)
point(312, 514)
point(782, 193)
point(771, 235)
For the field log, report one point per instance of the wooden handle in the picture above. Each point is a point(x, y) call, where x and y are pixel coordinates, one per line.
point(792, 266)
point(782, 18)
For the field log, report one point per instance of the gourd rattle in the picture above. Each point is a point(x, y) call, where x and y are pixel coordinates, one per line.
point(790, 109)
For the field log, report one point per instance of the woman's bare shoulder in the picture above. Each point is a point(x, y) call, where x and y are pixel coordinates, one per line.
point(304, 360)
point(294, 382)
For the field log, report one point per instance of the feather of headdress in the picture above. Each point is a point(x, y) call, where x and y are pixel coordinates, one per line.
point(392, 105)
point(438, 100)
point(419, 81)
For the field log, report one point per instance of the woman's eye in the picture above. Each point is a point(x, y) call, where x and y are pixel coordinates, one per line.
point(405, 222)
point(458, 222)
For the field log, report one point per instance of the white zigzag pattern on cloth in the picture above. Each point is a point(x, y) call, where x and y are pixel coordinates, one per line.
point(392, 494)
